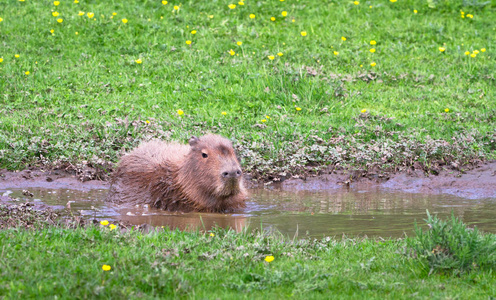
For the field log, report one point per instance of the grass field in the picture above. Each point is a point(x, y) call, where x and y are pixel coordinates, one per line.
point(297, 85)
point(357, 84)
point(102, 262)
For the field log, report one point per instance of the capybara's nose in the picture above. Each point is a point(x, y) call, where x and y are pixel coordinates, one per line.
point(231, 174)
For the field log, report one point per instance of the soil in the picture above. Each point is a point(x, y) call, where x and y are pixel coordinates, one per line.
point(478, 183)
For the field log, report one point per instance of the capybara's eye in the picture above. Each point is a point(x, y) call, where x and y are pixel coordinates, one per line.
point(204, 155)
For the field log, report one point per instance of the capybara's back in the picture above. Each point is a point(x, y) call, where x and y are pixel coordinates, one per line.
point(202, 176)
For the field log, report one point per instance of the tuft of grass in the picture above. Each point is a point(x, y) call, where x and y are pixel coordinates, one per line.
point(451, 246)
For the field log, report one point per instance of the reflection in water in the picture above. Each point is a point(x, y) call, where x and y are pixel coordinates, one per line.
point(301, 213)
point(189, 221)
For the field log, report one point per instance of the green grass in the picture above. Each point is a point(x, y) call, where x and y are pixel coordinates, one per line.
point(224, 264)
point(86, 99)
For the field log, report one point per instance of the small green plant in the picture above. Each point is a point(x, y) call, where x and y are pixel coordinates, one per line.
point(451, 246)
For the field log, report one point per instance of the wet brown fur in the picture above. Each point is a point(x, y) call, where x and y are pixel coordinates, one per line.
point(177, 177)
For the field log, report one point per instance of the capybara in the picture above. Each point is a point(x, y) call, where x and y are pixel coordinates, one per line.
point(203, 176)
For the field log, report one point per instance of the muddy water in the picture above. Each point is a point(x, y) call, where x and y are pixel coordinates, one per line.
point(301, 213)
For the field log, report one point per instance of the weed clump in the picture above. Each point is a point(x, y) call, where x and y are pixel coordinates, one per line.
point(452, 247)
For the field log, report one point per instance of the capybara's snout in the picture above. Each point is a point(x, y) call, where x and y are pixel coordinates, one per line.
point(234, 173)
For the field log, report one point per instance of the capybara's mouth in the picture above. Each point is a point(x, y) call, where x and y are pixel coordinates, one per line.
point(230, 187)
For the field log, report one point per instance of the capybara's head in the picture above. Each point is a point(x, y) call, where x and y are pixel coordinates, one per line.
point(213, 162)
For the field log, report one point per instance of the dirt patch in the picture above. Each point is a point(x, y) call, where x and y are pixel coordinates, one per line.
point(474, 184)
point(478, 183)
point(29, 215)
point(54, 179)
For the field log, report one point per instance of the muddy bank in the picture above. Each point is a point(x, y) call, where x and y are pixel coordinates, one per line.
point(53, 179)
point(478, 183)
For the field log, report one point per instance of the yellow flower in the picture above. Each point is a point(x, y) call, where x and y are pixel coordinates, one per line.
point(164, 2)
point(372, 50)
point(473, 55)
point(56, 3)
point(284, 13)
point(81, 13)
point(373, 64)
point(76, 1)
point(239, 43)
point(124, 21)
point(372, 42)
point(336, 53)
point(180, 112)
point(363, 111)
point(114, 14)
point(27, 72)
point(104, 222)
point(16, 55)
point(106, 268)
point(223, 113)
point(52, 31)
point(279, 53)
point(112, 226)
point(211, 234)
point(442, 49)
point(188, 42)
point(60, 20)
point(343, 38)
point(55, 14)
point(241, 3)
point(272, 19)
point(361, 66)
point(271, 57)
point(1, 19)
point(193, 32)
point(263, 120)
point(267, 117)
point(1, 59)
point(77, 33)
point(176, 7)
point(232, 6)
point(446, 110)
point(467, 52)
point(90, 15)
point(232, 52)
point(476, 51)
point(269, 258)
point(298, 108)
point(252, 16)
point(138, 61)
point(483, 49)
point(415, 11)
point(303, 33)
point(470, 16)
point(356, 2)
point(393, 0)
point(211, 16)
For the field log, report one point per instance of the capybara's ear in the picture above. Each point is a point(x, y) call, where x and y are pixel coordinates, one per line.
point(193, 141)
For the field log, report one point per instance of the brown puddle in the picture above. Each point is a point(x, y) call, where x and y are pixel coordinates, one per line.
point(354, 212)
